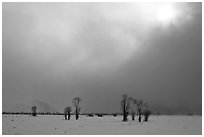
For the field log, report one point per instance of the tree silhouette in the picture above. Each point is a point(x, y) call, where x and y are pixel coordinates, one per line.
point(76, 102)
point(125, 105)
point(139, 104)
point(146, 112)
point(33, 110)
point(67, 111)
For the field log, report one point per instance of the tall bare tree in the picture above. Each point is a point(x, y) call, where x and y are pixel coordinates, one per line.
point(76, 102)
point(67, 112)
point(33, 110)
point(125, 105)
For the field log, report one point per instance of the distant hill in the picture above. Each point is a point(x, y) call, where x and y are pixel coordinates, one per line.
point(41, 107)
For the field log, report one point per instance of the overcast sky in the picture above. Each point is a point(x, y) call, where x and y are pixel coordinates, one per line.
point(99, 51)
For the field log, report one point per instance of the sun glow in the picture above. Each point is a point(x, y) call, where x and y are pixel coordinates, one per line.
point(166, 14)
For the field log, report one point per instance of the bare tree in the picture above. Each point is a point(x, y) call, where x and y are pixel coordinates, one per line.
point(67, 111)
point(146, 112)
point(139, 104)
point(33, 109)
point(125, 105)
point(76, 102)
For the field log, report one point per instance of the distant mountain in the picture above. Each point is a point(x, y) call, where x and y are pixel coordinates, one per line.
point(41, 107)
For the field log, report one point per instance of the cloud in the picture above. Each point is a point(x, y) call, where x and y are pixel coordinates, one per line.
point(87, 35)
point(49, 47)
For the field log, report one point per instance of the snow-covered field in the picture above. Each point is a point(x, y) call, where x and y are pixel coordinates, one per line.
point(22, 124)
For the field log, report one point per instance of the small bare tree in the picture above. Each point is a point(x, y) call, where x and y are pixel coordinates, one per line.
point(33, 110)
point(139, 104)
point(76, 102)
point(146, 112)
point(125, 105)
point(67, 112)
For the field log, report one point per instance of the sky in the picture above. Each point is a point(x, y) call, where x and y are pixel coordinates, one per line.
point(54, 52)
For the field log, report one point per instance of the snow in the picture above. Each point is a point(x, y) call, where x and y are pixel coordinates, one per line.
point(107, 125)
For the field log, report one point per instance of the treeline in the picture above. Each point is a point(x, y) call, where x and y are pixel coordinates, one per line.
point(129, 106)
point(60, 113)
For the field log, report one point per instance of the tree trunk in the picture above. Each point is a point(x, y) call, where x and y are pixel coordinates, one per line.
point(34, 114)
point(133, 117)
point(65, 116)
point(146, 119)
point(124, 113)
point(140, 116)
point(69, 115)
point(77, 114)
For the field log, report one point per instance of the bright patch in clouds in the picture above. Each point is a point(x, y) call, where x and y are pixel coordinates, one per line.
point(166, 14)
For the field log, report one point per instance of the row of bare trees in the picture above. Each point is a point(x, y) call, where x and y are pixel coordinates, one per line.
point(67, 110)
point(127, 103)
point(141, 108)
